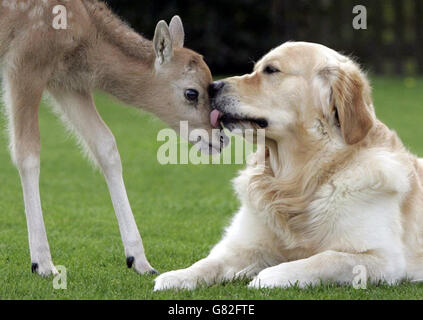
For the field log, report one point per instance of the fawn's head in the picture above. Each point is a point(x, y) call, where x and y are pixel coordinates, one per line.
point(182, 80)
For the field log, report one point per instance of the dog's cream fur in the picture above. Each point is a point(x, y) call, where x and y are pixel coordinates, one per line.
point(339, 189)
point(96, 51)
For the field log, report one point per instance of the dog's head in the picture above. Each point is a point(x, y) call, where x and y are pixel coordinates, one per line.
point(298, 86)
point(182, 80)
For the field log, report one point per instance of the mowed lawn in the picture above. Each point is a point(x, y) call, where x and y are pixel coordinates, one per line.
point(181, 210)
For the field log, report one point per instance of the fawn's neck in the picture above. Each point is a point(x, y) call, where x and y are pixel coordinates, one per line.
point(122, 61)
point(127, 77)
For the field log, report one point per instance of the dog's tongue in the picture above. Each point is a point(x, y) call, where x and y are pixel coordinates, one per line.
point(215, 117)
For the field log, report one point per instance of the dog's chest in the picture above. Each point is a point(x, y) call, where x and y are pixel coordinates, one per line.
point(331, 219)
point(301, 230)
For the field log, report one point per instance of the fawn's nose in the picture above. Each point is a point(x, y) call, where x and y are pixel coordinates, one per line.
point(215, 87)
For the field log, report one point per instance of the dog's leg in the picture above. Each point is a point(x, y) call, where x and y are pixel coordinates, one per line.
point(235, 256)
point(79, 111)
point(22, 94)
point(230, 263)
point(332, 267)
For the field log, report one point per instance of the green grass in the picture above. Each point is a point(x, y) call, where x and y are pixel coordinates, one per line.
point(181, 211)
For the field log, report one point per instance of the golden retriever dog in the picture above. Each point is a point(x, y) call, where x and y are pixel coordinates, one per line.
point(338, 191)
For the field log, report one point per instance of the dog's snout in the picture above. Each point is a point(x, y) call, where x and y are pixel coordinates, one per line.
point(215, 87)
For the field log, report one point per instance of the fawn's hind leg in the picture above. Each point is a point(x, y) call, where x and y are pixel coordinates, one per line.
point(78, 110)
point(22, 94)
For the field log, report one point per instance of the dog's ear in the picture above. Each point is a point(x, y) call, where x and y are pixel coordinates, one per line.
point(177, 33)
point(162, 43)
point(351, 100)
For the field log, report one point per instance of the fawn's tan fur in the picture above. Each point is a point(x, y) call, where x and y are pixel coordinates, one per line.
point(95, 51)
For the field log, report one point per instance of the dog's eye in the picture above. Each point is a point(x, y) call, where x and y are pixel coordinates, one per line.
point(191, 94)
point(270, 70)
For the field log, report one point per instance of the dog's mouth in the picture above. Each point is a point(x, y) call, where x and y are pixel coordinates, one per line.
point(219, 119)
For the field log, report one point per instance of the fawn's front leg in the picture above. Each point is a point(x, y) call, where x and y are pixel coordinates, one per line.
point(79, 111)
point(22, 94)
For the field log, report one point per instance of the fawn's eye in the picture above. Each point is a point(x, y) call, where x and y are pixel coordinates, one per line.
point(270, 69)
point(191, 94)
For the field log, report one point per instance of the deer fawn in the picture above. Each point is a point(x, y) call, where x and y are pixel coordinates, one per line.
point(95, 51)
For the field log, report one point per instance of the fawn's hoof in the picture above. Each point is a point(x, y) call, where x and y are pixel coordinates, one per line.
point(130, 261)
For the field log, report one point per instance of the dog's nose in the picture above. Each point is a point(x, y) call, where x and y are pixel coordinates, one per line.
point(215, 87)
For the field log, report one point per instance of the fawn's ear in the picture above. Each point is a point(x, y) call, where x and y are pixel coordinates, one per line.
point(351, 100)
point(177, 33)
point(162, 43)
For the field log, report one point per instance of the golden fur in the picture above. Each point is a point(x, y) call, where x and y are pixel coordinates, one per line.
point(339, 189)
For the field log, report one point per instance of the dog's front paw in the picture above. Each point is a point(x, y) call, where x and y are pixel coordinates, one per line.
point(179, 279)
point(279, 277)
